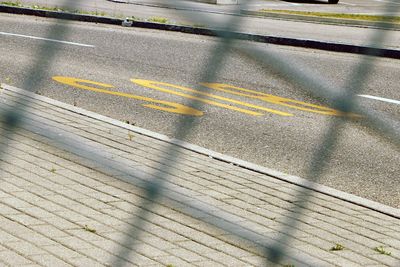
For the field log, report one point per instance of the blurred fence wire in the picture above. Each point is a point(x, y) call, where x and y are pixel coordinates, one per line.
point(155, 184)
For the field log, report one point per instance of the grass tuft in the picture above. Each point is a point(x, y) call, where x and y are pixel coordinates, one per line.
point(130, 136)
point(16, 4)
point(158, 20)
point(365, 17)
point(382, 250)
point(337, 247)
point(58, 9)
point(87, 228)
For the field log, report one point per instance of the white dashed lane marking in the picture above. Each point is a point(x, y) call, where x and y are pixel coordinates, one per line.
point(44, 39)
point(381, 99)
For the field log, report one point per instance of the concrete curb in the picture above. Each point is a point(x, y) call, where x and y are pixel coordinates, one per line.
point(332, 21)
point(218, 156)
point(304, 43)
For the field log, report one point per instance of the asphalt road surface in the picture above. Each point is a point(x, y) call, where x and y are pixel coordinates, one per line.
point(148, 77)
point(218, 16)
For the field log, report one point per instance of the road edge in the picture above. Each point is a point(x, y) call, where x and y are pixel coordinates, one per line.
point(277, 40)
point(373, 205)
point(331, 21)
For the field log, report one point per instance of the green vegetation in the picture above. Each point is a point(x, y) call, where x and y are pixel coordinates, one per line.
point(158, 20)
point(337, 247)
point(8, 80)
point(130, 136)
point(87, 228)
point(375, 18)
point(95, 13)
point(382, 250)
point(18, 4)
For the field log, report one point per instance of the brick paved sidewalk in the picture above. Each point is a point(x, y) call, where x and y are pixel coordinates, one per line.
point(58, 207)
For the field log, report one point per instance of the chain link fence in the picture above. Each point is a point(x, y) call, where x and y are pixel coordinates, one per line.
point(154, 185)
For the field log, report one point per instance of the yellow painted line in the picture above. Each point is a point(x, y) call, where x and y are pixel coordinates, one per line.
point(291, 103)
point(160, 86)
point(165, 105)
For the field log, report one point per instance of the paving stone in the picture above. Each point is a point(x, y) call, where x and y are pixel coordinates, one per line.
point(61, 200)
point(28, 196)
point(6, 237)
point(343, 262)
point(99, 254)
point(385, 259)
point(72, 215)
point(207, 263)
point(84, 261)
point(25, 248)
point(63, 252)
point(355, 257)
point(141, 260)
point(7, 210)
point(226, 259)
point(49, 260)
point(38, 239)
point(24, 219)
point(49, 230)
point(171, 260)
point(45, 212)
point(12, 258)
point(74, 242)
point(395, 243)
point(256, 260)
point(61, 223)
point(37, 212)
point(15, 202)
point(160, 243)
point(368, 242)
point(10, 188)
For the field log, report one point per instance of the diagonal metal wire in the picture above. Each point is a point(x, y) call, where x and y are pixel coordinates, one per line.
point(155, 184)
point(184, 126)
point(344, 103)
point(105, 163)
point(34, 79)
point(309, 82)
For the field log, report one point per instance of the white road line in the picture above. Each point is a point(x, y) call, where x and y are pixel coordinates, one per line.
point(45, 39)
point(381, 99)
point(347, 4)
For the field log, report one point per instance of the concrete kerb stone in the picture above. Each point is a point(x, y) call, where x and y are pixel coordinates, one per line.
point(277, 40)
point(218, 156)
